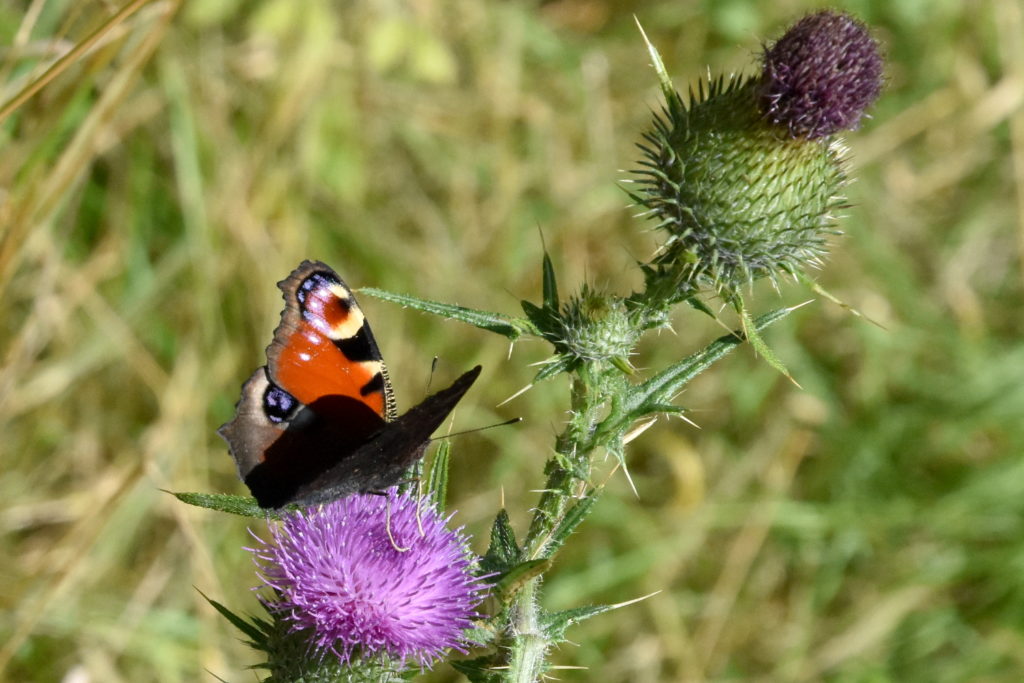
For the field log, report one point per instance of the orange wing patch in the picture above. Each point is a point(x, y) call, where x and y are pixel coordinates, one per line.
point(324, 347)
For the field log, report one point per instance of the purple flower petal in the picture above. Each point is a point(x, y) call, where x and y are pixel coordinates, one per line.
point(336, 573)
point(821, 76)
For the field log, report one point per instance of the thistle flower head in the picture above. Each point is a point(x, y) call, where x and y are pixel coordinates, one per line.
point(821, 75)
point(337, 575)
point(744, 178)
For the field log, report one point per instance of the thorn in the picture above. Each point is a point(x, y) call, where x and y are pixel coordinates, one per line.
point(516, 395)
point(800, 305)
point(638, 430)
point(634, 600)
point(625, 470)
point(688, 421)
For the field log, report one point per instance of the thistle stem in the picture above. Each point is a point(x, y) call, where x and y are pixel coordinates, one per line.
point(567, 479)
point(568, 471)
point(527, 662)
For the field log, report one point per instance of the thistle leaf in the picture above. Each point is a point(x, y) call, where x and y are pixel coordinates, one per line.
point(760, 345)
point(663, 387)
point(437, 479)
point(542, 319)
point(499, 323)
point(555, 623)
point(503, 552)
point(479, 670)
point(551, 303)
point(822, 292)
point(250, 629)
point(701, 306)
point(556, 365)
point(222, 502)
point(572, 519)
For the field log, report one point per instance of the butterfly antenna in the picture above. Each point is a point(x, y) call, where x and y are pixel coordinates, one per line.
point(421, 496)
point(419, 517)
point(513, 421)
point(430, 378)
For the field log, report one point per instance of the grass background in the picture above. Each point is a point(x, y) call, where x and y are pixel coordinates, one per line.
point(869, 527)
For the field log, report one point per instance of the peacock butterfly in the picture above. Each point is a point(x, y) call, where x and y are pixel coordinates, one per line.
point(318, 422)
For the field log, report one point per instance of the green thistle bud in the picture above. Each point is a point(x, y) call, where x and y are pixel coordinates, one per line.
point(596, 327)
point(737, 192)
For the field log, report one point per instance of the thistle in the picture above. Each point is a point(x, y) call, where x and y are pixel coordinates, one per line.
point(745, 178)
point(367, 580)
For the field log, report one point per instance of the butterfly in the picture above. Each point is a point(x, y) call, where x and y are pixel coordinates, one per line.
point(319, 421)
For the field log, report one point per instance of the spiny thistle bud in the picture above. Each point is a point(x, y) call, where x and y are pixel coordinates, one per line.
point(596, 327)
point(744, 178)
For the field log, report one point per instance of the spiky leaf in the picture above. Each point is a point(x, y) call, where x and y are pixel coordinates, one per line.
point(499, 323)
point(222, 502)
point(503, 551)
point(572, 519)
point(437, 480)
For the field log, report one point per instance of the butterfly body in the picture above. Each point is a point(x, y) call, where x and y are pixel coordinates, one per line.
point(319, 421)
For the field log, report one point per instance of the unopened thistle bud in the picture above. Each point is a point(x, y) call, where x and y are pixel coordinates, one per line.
point(746, 178)
point(596, 327)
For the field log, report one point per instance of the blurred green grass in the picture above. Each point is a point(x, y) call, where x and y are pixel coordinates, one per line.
point(869, 527)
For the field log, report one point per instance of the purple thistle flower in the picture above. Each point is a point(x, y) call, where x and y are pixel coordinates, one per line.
point(337, 574)
point(821, 75)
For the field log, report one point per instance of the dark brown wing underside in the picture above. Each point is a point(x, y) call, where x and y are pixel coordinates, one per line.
point(381, 461)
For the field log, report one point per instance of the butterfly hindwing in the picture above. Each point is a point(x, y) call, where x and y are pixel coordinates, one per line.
point(381, 461)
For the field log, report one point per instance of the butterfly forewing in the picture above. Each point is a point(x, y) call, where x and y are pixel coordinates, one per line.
point(324, 346)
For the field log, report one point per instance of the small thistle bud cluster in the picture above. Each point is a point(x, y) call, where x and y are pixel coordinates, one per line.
point(745, 179)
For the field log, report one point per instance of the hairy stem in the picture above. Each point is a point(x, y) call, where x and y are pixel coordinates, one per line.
point(567, 476)
point(527, 661)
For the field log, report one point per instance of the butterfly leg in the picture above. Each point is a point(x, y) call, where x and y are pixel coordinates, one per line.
point(387, 524)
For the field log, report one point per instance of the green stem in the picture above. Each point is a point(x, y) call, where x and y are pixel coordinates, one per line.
point(574, 446)
point(527, 663)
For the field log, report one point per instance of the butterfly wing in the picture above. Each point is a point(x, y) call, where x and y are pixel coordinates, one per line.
point(318, 421)
point(324, 346)
point(381, 461)
point(324, 390)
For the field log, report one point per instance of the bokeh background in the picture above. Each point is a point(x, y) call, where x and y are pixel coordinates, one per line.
point(183, 157)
